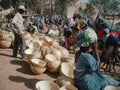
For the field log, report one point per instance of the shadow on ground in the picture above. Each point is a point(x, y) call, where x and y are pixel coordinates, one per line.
point(30, 83)
point(5, 55)
point(25, 68)
point(52, 75)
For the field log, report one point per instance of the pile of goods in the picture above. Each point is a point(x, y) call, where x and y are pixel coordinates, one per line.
point(45, 53)
point(61, 83)
point(6, 39)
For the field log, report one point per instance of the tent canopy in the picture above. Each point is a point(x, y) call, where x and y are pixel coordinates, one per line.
point(113, 27)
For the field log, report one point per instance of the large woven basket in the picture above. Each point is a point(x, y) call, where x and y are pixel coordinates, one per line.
point(46, 85)
point(57, 53)
point(5, 44)
point(37, 70)
point(56, 70)
point(64, 80)
point(27, 35)
point(52, 61)
point(32, 53)
point(64, 51)
point(67, 69)
point(4, 35)
point(111, 88)
point(45, 50)
point(32, 56)
point(38, 63)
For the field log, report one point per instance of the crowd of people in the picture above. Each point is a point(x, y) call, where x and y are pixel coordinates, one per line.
point(79, 35)
point(87, 75)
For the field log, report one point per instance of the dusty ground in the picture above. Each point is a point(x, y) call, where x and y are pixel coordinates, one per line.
point(15, 74)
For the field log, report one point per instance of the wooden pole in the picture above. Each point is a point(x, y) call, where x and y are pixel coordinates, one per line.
point(113, 21)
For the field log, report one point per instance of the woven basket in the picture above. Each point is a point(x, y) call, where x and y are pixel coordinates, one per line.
point(57, 53)
point(68, 60)
point(37, 35)
point(64, 51)
point(68, 87)
point(38, 63)
point(111, 88)
point(52, 61)
point(32, 53)
point(37, 70)
point(64, 80)
point(27, 35)
point(46, 85)
point(67, 69)
point(56, 70)
point(4, 35)
point(45, 50)
point(5, 44)
point(34, 56)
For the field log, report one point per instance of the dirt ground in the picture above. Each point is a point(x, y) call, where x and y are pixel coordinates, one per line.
point(15, 74)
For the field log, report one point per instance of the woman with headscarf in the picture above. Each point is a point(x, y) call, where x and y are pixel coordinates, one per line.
point(87, 75)
point(86, 37)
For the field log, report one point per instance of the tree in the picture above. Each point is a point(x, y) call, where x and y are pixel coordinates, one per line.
point(106, 5)
point(115, 6)
point(37, 6)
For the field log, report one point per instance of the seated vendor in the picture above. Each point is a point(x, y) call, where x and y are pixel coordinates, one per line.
point(87, 75)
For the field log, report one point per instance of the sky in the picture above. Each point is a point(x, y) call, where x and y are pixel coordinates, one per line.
point(83, 0)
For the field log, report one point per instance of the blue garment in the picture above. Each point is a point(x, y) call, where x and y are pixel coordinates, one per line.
point(112, 39)
point(37, 23)
point(80, 38)
point(104, 39)
point(87, 75)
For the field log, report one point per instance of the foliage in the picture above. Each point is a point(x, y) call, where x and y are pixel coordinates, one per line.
point(38, 6)
point(106, 5)
point(115, 5)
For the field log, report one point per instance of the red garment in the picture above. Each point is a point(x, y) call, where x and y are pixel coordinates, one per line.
point(66, 42)
point(115, 34)
point(100, 34)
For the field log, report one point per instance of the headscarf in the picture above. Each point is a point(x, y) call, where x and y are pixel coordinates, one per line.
point(90, 37)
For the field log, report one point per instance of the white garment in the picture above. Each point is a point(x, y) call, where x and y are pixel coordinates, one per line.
point(53, 32)
point(36, 29)
point(18, 20)
point(6, 12)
